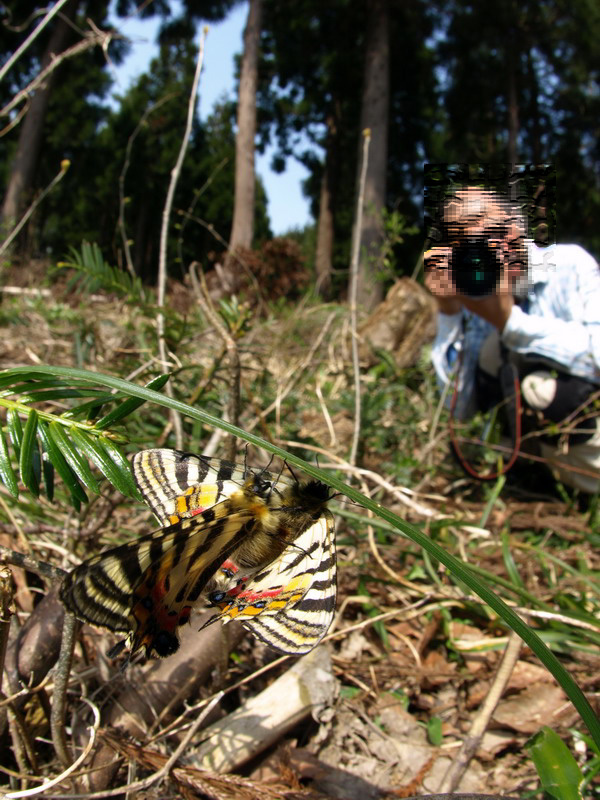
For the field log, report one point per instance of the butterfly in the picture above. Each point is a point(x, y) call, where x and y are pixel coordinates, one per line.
point(258, 547)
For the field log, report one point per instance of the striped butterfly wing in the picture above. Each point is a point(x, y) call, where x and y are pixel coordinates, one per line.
point(148, 587)
point(178, 485)
point(290, 603)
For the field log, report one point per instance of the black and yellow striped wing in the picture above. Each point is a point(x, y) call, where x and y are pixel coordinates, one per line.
point(149, 587)
point(290, 603)
point(260, 547)
point(178, 485)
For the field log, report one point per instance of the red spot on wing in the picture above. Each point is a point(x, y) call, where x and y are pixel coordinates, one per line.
point(252, 597)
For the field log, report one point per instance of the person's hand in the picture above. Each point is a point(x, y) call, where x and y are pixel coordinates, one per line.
point(438, 279)
point(495, 308)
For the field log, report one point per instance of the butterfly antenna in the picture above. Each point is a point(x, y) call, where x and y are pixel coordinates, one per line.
point(293, 474)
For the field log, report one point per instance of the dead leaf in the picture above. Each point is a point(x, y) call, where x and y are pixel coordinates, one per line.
point(528, 710)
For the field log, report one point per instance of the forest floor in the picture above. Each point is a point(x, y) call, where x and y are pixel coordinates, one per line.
point(403, 678)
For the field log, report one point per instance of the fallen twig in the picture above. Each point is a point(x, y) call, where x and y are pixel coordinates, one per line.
point(479, 725)
point(59, 697)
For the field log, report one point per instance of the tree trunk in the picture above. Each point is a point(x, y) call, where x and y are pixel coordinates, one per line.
point(534, 111)
point(512, 101)
point(325, 235)
point(242, 227)
point(374, 115)
point(25, 161)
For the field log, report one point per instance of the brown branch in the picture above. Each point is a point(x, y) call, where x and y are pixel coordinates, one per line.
point(354, 293)
point(175, 417)
point(121, 223)
point(59, 697)
point(41, 568)
point(91, 39)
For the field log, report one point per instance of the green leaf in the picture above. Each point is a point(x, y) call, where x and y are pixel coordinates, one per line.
point(7, 473)
point(15, 430)
point(130, 405)
point(96, 453)
point(26, 456)
point(77, 463)
point(509, 561)
point(89, 410)
point(434, 731)
point(123, 466)
point(10, 378)
point(48, 475)
point(557, 769)
point(349, 692)
point(59, 463)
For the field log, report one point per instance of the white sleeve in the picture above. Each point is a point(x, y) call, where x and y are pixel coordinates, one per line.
point(568, 332)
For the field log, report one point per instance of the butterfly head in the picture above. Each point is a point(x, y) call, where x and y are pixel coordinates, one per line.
point(311, 497)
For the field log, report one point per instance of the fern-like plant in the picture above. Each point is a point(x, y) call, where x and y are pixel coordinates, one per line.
point(93, 273)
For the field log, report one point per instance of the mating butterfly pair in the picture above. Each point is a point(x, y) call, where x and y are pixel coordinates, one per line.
point(258, 547)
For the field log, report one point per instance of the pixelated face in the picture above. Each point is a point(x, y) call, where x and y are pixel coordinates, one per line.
point(474, 214)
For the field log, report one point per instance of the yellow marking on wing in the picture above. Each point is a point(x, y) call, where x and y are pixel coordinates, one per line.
point(208, 495)
point(181, 504)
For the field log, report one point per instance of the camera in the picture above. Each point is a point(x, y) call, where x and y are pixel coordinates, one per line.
point(475, 267)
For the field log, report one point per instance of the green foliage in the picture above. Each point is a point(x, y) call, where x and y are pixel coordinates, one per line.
point(559, 774)
point(63, 443)
point(396, 228)
point(94, 273)
point(434, 731)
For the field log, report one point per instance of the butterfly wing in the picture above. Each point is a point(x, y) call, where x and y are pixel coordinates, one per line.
point(290, 604)
point(178, 485)
point(148, 587)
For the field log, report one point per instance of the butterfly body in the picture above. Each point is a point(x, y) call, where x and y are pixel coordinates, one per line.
point(247, 542)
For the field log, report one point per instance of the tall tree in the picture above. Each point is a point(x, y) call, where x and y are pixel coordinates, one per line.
point(374, 116)
point(325, 222)
point(242, 228)
point(34, 132)
point(32, 129)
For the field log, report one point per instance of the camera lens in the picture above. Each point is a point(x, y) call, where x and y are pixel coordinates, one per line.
point(475, 267)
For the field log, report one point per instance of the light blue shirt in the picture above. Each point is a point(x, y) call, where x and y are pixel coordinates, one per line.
point(561, 322)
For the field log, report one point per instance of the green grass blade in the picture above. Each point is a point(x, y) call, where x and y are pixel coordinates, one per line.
point(123, 466)
point(509, 562)
point(48, 476)
point(7, 473)
point(15, 430)
point(26, 456)
point(498, 486)
point(128, 406)
point(559, 774)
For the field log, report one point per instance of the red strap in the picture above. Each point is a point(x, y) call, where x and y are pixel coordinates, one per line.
point(516, 445)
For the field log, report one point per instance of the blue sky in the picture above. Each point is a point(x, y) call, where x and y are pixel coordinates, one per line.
point(287, 207)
